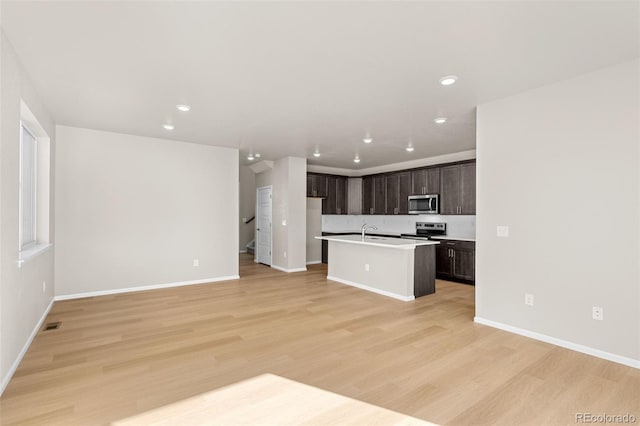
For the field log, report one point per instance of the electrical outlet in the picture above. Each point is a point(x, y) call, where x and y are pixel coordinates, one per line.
point(598, 313)
point(285, 254)
point(196, 262)
point(366, 267)
point(502, 231)
point(528, 299)
point(44, 286)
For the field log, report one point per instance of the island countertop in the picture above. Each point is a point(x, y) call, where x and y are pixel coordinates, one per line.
point(397, 243)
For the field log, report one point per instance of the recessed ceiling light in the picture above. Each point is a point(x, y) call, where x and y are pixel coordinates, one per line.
point(440, 120)
point(367, 139)
point(356, 160)
point(257, 155)
point(183, 107)
point(250, 157)
point(448, 80)
point(410, 148)
point(168, 126)
point(316, 154)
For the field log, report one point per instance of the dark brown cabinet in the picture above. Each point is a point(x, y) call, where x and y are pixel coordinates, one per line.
point(367, 195)
point(425, 181)
point(374, 194)
point(316, 185)
point(398, 186)
point(336, 200)
point(333, 190)
point(458, 189)
point(455, 260)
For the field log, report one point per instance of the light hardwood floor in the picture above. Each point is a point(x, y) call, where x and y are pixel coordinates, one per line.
point(117, 356)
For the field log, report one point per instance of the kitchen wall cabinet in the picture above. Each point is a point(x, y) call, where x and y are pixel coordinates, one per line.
point(374, 194)
point(379, 194)
point(458, 189)
point(316, 185)
point(425, 181)
point(335, 201)
point(398, 187)
point(455, 260)
point(337, 191)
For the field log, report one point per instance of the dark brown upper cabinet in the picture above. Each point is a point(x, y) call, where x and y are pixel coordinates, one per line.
point(458, 189)
point(398, 191)
point(316, 185)
point(425, 181)
point(374, 194)
point(335, 201)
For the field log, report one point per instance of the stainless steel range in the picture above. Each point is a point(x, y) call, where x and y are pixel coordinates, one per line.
point(426, 230)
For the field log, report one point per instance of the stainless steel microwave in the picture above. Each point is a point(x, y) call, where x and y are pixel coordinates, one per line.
point(424, 204)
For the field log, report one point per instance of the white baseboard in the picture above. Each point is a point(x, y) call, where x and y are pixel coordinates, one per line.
point(25, 348)
point(372, 289)
point(280, 268)
point(143, 288)
point(243, 251)
point(562, 343)
point(314, 262)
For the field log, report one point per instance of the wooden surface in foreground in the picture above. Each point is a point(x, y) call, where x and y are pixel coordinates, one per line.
point(270, 400)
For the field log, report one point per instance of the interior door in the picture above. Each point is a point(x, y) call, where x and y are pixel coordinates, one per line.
point(263, 227)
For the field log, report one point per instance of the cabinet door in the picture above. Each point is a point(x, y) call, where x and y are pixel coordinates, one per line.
point(341, 195)
point(432, 180)
point(379, 194)
point(468, 188)
point(443, 260)
point(321, 185)
point(449, 189)
point(329, 203)
point(418, 182)
point(464, 264)
point(367, 195)
point(310, 185)
point(404, 190)
point(393, 192)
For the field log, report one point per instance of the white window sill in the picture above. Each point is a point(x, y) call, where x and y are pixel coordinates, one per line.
point(26, 255)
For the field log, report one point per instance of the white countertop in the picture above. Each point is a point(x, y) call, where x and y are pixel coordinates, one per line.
point(357, 231)
point(446, 237)
point(397, 234)
point(399, 243)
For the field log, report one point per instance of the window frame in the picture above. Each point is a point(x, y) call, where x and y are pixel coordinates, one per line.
point(25, 246)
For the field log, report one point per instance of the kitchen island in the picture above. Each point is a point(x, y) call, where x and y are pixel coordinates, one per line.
point(400, 268)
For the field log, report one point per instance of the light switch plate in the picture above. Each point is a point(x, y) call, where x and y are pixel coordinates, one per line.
point(502, 231)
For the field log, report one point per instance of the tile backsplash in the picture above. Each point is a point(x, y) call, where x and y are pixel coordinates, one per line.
point(457, 226)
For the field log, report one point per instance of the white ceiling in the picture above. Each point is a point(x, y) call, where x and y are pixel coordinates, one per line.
point(282, 78)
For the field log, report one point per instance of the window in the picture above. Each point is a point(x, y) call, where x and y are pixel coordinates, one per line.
point(28, 180)
point(33, 184)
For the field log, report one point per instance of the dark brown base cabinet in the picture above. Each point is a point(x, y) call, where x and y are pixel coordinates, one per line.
point(456, 261)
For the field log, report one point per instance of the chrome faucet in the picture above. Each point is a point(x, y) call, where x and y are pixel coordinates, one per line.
point(365, 228)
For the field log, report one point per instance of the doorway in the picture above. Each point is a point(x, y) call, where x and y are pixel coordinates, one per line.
point(263, 227)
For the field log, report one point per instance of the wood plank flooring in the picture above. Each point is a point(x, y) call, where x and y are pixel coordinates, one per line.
point(122, 355)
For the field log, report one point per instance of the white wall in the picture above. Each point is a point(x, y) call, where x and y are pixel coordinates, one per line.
point(559, 166)
point(134, 211)
point(289, 179)
point(247, 206)
point(22, 299)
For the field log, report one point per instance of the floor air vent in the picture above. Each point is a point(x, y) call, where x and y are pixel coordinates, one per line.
point(52, 326)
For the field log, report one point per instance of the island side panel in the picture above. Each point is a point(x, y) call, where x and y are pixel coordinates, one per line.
point(424, 274)
point(390, 269)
